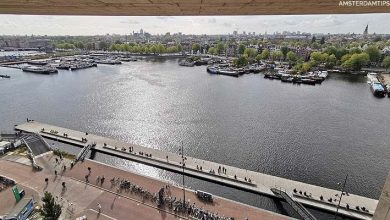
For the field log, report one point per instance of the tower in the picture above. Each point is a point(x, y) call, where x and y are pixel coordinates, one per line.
point(365, 31)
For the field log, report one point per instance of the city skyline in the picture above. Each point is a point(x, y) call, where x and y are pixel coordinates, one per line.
point(101, 25)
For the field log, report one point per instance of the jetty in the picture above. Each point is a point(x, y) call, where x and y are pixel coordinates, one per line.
point(351, 205)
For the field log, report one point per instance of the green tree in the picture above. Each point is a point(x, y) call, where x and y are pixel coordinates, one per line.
point(277, 55)
point(313, 39)
point(291, 56)
point(331, 61)
point(317, 58)
point(50, 210)
point(258, 58)
point(79, 45)
point(374, 53)
point(220, 48)
point(386, 62)
point(103, 45)
point(241, 61)
point(322, 41)
point(284, 50)
point(356, 61)
point(196, 47)
point(250, 52)
point(355, 50)
point(306, 67)
point(160, 48)
point(179, 48)
point(241, 48)
point(212, 50)
point(265, 54)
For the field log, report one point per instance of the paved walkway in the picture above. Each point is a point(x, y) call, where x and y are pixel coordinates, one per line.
point(260, 183)
point(81, 199)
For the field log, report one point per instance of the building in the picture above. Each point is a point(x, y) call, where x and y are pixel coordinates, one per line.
point(365, 33)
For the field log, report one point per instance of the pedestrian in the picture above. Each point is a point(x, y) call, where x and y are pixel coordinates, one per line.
point(89, 170)
point(102, 180)
point(86, 178)
point(64, 168)
point(99, 208)
point(63, 185)
point(47, 180)
point(55, 172)
point(71, 165)
point(56, 160)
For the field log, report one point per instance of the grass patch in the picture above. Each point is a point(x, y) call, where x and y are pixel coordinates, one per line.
point(65, 154)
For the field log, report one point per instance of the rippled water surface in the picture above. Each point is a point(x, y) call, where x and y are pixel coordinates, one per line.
point(314, 134)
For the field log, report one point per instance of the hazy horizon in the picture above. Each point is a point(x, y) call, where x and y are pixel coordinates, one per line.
point(125, 25)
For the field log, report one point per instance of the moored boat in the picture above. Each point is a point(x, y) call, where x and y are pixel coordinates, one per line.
point(40, 70)
point(378, 90)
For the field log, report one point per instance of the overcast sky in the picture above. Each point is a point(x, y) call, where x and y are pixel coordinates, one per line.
point(92, 25)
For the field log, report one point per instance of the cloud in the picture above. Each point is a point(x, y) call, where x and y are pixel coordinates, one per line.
point(212, 21)
point(130, 22)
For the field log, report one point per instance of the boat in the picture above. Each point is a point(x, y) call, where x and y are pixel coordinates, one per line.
point(128, 59)
point(5, 76)
point(323, 74)
point(297, 79)
point(109, 61)
point(228, 72)
point(212, 69)
point(286, 78)
point(187, 63)
point(308, 81)
point(37, 62)
point(372, 78)
point(378, 90)
point(317, 79)
point(41, 70)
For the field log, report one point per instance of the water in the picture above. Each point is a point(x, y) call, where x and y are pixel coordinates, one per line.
point(314, 134)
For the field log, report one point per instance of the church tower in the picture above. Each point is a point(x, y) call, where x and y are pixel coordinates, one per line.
point(365, 33)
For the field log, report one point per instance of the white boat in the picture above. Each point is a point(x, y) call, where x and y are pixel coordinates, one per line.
point(323, 74)
point(372, 78)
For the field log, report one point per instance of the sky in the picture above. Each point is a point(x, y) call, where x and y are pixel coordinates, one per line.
point(100, 25)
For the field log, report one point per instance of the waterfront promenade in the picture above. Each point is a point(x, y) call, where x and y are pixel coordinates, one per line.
point(260, 183)
point(81, 198)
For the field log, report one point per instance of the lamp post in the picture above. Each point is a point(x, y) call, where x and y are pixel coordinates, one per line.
point(181, 152)
point(341, 196)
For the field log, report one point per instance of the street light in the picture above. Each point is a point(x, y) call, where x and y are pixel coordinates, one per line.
point(181, 152)
point(341, 196)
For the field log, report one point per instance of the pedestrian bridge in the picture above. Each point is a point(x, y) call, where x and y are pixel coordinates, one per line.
point(234, 177)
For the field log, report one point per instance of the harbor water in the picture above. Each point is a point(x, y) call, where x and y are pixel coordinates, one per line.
point(314, 134)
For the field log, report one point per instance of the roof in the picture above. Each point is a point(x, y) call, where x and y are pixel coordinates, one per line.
point(19, 207)
point(184, 7)
point(377, 86)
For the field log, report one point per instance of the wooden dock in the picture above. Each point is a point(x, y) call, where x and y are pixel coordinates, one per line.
point(261, 183)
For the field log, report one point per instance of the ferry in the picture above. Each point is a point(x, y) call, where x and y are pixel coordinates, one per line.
point(378, 90)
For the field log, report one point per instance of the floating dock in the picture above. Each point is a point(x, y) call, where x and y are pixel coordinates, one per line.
point(260, 183)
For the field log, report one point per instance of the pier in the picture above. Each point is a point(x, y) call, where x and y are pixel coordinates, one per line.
point(260, 183)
